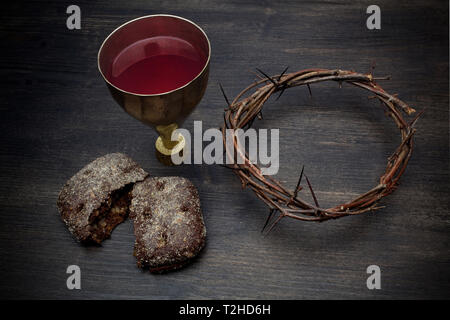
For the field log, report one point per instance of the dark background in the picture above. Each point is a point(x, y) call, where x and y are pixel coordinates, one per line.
point(57, 115)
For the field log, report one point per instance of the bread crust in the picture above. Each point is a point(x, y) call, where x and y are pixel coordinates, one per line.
point(93, 187)
point(168, 223)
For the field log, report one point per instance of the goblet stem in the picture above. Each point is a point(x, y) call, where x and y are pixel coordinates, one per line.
point(165, 146)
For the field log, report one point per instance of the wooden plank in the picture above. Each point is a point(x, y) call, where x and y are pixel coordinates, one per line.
point(57, 115)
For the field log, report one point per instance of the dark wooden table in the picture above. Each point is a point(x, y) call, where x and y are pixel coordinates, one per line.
point(57, 115)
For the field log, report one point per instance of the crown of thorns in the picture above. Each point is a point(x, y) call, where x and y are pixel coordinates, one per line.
point(247, 106)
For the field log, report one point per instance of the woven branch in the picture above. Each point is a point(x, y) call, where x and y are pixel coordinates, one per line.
point(243, 110)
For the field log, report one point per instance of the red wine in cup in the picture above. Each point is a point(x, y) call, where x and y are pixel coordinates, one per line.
point(156, 65)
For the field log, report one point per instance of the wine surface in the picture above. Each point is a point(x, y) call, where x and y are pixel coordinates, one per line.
point(156, 65)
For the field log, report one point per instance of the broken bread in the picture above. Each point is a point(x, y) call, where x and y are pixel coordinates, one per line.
point(96, 199)
point(168, 223)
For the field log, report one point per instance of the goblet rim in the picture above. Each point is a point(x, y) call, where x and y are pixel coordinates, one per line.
point(166, 92)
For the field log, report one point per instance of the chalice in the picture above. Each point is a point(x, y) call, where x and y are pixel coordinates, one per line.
point(156, 68)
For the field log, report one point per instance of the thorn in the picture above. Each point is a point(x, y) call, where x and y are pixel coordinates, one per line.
point(372, 67)
point(279, 77)
point(340, 84)
point(224, 95)
point(268, 78)
point(414, 121)
point(382, 78)
point(253, 72)
point(282, 91)
point(309, 88)
point(272, 210)
point(260, 116)
point(275, 223)
point(297, 188)
point(312, 191)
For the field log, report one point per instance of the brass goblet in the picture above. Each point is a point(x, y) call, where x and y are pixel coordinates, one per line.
point(159, 98)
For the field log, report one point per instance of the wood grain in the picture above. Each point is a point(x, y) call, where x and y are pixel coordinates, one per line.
point(56, 116)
